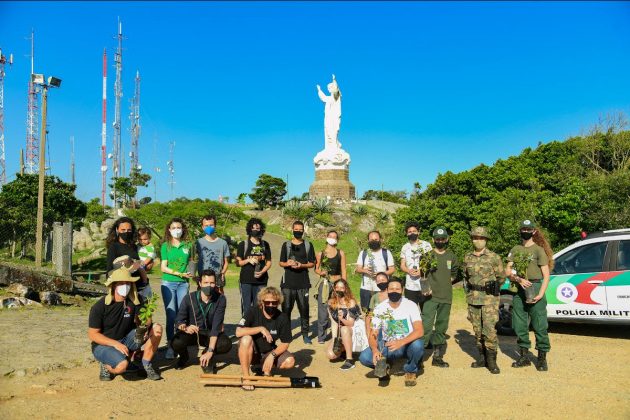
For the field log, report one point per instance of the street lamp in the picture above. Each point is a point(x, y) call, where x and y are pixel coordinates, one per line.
point(38, 79)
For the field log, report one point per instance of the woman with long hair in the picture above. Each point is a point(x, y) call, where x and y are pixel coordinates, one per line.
point(175, 254)
point(344, 312)
point(535, 256)
point(121, 241)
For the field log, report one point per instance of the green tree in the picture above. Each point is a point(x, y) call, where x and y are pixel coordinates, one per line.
point(390, 196)
point(268, 192)
point(95, 211)
point(241, 199)
point(18, 208)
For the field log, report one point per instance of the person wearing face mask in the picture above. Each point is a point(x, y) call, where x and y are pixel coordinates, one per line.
point(410, 255)
point(296, 257)
point(483, 275)
point(121, 240)
point(343, 311)
point(112, 328)
point(535, 245)
point(437, 307)
point(370, 262)
point(396, 333)
point(254, 257)
point(382, 280)
point(259, 332)
point(212, 251)
point(175, 254)
point(199, 322)
point(330, 266)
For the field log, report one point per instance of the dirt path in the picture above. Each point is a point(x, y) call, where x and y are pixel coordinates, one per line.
point(54, 377)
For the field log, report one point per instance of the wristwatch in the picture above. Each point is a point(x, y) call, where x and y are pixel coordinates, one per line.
point(274, 355)
point(210, 350)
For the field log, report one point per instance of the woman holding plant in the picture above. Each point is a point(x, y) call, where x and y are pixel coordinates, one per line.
point(331, 266)
point(528, 266)
point(175, 254)
point(344, 312)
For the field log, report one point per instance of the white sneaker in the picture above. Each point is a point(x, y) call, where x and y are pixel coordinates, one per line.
point(170, 354)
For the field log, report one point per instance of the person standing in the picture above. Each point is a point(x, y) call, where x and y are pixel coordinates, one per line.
point(536, 249)
point(175, 254)
point(372, 261)
point(483, 269)
point(437, 307)
point(296, 257)
point(212, 251)
point(410, 255)
point(121, 241)
point(330, 266)
point(253, 255)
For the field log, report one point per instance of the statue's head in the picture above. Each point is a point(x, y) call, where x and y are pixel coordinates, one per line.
point(333, 89)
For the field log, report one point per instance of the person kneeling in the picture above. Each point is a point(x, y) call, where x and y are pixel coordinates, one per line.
point(344, 312)
point(199, 321)
point(112, 328)
point(396, 332)
point(258, 333)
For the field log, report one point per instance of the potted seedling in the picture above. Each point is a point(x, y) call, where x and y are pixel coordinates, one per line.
point(257, 251)
point(144, 316)
point(427, 263)
point(388, 327)
point(520, 263)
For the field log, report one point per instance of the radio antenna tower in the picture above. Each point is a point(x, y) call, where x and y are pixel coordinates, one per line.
point(3, 169)
point(32, 117)
point(104, 132)
point(72, 161)
point(171, 168)
point(117, 96)
point(135, 127)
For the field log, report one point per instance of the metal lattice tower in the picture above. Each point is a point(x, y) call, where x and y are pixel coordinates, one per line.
point(32, 117)
point(72, 160)
point(3, 168)
point(134, 164)
point(104, 132)
point(171, 167)
point(118, 97)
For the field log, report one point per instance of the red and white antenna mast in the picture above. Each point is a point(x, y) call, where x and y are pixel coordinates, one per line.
point(3, 169)
point(32, 117)
point(104, 131)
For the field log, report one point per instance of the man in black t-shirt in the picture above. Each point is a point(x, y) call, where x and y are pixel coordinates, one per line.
point(253, 255)
point(296, 257)
point(259, 331)
point(112, 328)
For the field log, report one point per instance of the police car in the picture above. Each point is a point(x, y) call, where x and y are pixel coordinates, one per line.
point(590, 282)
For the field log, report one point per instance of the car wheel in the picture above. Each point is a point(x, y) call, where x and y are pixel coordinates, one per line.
point(504, 326)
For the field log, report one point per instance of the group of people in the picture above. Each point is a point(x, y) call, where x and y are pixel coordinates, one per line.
point(393, 317)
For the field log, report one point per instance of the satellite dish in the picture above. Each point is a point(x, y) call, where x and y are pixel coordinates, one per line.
point(109, 156)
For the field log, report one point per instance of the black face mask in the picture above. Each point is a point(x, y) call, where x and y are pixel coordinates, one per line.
point(256, 234)
point(374, 245)
point(272, 311)
point(413, 237)
point(527, 235)
point(381, 286)
point(441, 245)
point(126, 236)
point(207, 290)
point(340, 294)
point(394, 296)
point(298, 234)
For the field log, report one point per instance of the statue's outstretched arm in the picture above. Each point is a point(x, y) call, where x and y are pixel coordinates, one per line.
point(321, 94)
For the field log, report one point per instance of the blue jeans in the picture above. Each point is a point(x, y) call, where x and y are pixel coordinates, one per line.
point(172, 294)
point(412, 351)
point(146, 292)
point(249, 295)
point(110, 356)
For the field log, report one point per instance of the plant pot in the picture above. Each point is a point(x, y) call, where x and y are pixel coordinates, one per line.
point(140, 332)
point(530, 294)
point(425, 287)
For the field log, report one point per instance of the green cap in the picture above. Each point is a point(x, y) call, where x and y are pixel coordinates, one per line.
point(528, 224)
point(480, 231)
point(440, 233)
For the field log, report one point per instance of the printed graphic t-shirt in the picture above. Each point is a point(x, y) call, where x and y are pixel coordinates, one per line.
point(395, 323)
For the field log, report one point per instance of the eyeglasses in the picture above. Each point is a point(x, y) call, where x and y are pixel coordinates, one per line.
point(270, 302)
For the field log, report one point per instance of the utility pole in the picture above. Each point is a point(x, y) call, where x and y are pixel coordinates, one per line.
point(21, 161)
point(3, 168)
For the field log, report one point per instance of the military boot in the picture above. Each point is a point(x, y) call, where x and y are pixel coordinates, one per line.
point(438, 353)
point(542, 361)
point(491, 358)
point(481, 361)
point(523, 359)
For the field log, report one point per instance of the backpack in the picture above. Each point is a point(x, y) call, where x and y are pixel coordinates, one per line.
point(307, 245)
point(246, 246)
point(384, 250)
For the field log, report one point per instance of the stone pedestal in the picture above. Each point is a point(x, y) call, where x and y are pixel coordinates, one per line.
point(333, 183)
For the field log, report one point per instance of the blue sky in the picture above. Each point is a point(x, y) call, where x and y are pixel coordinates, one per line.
point(427, 87)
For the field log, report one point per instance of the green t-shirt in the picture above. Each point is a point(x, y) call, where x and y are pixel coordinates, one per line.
point(374, 301)
point(177, 258)
point(440, 279)
point(540, 258)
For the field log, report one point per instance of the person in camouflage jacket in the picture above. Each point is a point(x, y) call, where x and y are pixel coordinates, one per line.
point(483, 270)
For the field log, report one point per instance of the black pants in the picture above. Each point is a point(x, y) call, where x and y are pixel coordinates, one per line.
point(182, 340)
point(417, 297)
point(291, 296)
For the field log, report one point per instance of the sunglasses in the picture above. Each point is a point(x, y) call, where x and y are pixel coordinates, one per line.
point(270, 302)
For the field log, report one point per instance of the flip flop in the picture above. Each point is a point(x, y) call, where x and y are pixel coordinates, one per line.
point(247, 387)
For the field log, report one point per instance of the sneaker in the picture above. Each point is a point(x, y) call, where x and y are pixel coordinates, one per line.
point(347, 365)
point(132, 368)
point(152, 374)
point(210, 369)
point(410, 379)
point(104, 374)
point(307, 340)
point(170, 353)
point(181, 363)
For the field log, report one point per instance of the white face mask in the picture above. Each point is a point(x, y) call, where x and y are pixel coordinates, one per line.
point(331, 241)
point(176, 233)
point(123, 289)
